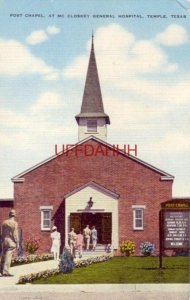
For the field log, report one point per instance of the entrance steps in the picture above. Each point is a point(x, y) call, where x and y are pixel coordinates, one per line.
point(100, 250)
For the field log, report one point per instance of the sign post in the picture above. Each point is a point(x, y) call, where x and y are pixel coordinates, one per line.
point(174, 226)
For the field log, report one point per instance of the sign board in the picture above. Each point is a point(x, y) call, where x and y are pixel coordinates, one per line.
point(174, 226)
point(176, 229)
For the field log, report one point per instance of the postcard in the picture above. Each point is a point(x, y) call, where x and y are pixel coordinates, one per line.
point(94, 118)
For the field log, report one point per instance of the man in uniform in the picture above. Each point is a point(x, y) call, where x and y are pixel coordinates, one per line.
point(72, 242)
point(87, 233)
point(10, 242)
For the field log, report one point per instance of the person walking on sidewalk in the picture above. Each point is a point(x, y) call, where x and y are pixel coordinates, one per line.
point(10, 242)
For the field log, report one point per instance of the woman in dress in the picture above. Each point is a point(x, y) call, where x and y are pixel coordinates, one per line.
point(55, 248)
point(80, 241)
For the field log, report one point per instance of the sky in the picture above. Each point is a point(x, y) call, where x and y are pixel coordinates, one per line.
point(142, 52)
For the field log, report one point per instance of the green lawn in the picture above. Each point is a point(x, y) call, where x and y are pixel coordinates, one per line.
point(127, 270)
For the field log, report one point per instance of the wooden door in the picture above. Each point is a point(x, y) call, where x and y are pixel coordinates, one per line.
point(106, 228)
point(75, 222)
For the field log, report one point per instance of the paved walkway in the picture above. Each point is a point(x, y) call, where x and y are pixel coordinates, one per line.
point(26, 269)
point(18, 271)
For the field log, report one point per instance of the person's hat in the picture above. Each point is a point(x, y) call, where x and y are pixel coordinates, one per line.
point(54, 228)
point(12, 213)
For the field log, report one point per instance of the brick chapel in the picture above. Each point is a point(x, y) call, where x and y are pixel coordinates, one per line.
point(117, 192)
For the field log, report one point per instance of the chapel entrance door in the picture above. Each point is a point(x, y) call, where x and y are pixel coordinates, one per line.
point(106, 228)
point(102, 222)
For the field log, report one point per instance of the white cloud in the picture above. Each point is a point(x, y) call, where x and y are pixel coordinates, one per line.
point(40, 36)
point(52, 30)
point(123, 65)
point(126, 58)
point(16, 59)
point(149, 58)
point(157, 90)
point(26, 128)
point(37, 37)
point(48, 101)
point(8, 118)
point(77, 69)
point(173, 142)
point(132, 113)
point(174, 35)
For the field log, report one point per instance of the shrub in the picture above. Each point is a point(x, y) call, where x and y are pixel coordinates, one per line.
point(31, 245)
point(66, 264)
point(147, 248)
point(127, 247)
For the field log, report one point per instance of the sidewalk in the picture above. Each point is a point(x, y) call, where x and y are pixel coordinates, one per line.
point(26, 269)
point(18, 271)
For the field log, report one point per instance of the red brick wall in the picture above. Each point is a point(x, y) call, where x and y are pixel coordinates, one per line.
point(48, 184)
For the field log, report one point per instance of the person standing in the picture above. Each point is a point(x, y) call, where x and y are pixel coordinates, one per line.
point(87, 233)
point(56, 238)
point(80, 241)
point(94, 236)
point(72, 241)
point(10, 242)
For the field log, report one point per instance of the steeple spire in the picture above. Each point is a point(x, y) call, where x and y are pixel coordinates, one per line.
point(92, 105)
point(92, 37)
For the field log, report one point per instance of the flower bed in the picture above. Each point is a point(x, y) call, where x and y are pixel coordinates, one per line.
point(147, 248)
point(127, 247)
point(16, 261)
point(44, 274)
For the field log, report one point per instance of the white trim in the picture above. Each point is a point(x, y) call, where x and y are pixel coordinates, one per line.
point(96, 186)
point(139, 206)
point(164, 178)
point(42, 209)
point(50, 207)
point(17, 179)
point(103, 203)
point(164, 174)
point(94, 132)
point(90, 210)
point(180, 198)
point(134, 217)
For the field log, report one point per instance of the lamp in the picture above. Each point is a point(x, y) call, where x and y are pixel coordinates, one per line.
point(90, 202)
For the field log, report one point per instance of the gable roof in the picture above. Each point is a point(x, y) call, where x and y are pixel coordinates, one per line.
point(96, 186)
point(92, 104)
point(164, 175)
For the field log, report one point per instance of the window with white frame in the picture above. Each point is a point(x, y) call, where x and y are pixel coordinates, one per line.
point(46, 212)
point(91, 125)
point(138, 217)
